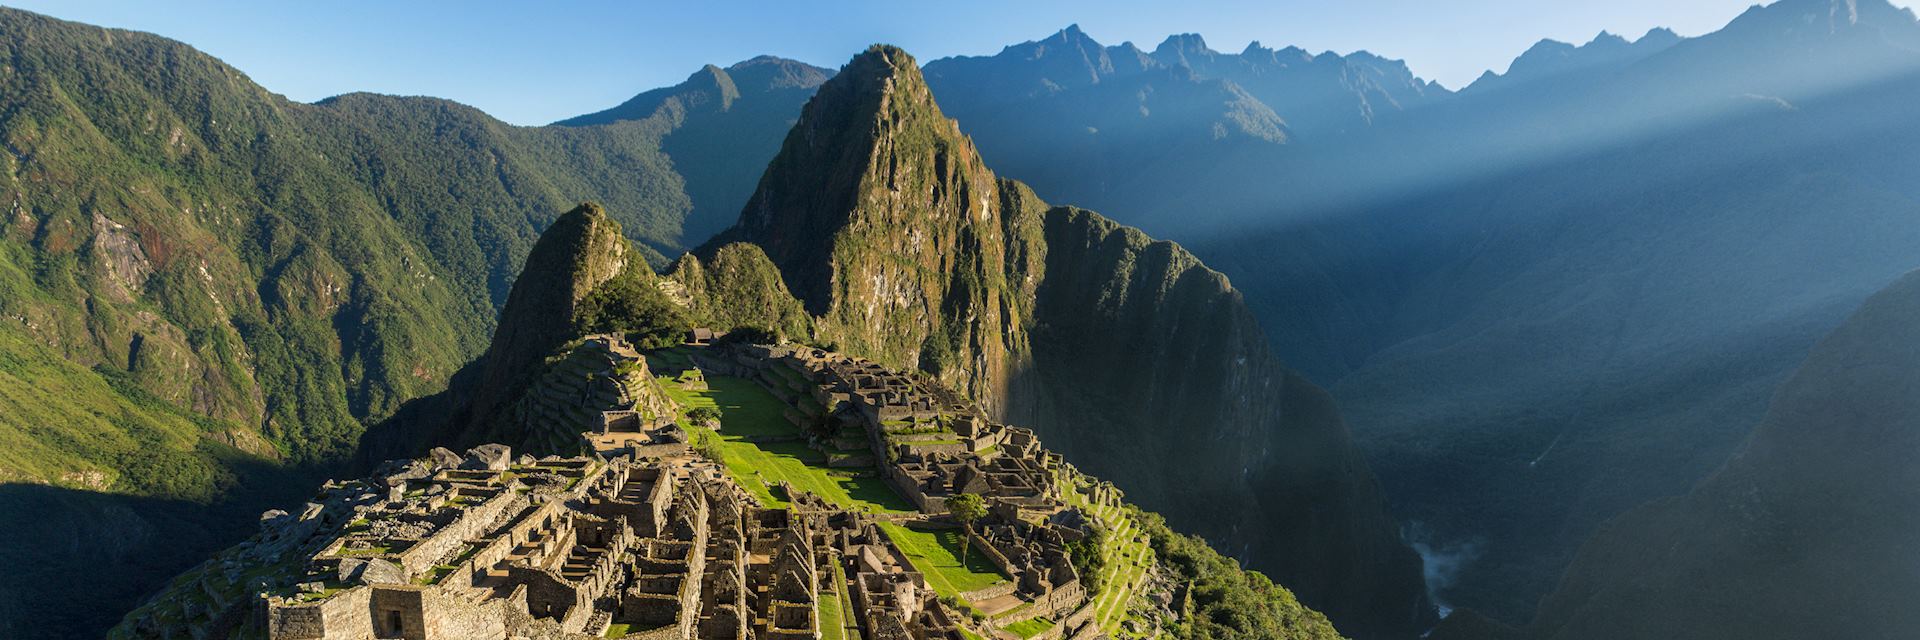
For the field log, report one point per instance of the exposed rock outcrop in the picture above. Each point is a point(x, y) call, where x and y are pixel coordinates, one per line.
point(580, 251)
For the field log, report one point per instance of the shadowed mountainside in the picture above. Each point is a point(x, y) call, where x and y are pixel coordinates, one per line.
point(1806, 532)
point(1542, 300)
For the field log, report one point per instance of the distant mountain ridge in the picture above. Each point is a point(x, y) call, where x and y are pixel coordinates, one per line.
point(1585, 285)
point(1573, 248)
point(724, 125)
point(1552, 58)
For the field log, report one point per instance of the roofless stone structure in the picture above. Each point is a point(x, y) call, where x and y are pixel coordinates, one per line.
point(640, 536)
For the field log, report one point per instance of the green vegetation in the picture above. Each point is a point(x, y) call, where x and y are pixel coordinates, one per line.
point(704, 416)
point(708, 445)
point(435, 574)
point(748, 411)
point(327, 590)
point(936, 554)
point(1030, 627)
point(96, 429)
point(838, 621)
point(740, 288)
point(312, 266)
point(1090, 557)
point(618, 630)
point(833, 622)
point(965, 509)
point(1226, 602)
point(633, 305)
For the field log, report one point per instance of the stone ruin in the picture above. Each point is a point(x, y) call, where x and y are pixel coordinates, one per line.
point(644, 535)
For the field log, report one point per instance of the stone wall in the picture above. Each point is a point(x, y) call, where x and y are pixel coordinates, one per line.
point(989, 593)
point(341, 617)
point(472, 524)
point(907, 487)
point(450, 616)
point(1064, 597)
point(1082, 620)
point(993, 554)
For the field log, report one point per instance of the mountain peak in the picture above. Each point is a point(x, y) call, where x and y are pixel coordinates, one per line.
point(883, 60)
point(1071, 38)
point(1550, 59)
point(580, 250)
point(1658, 36)
point(770, 73)
point(1608, 39)
point(1182, 49)
point(1830, 16)
point(871, 130)
point(712, 88)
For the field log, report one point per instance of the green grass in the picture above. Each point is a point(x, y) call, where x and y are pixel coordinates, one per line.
point(1128, 561)
point(618, 630)
point(748, 410)
point(675, 358)
point(378, 550)
point(936, 554)
point(833, 624)
point(332, 587)
point(1030, 628)
point(435, 575)
point(848, 630)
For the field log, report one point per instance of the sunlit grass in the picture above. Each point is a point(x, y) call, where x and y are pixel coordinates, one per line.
point(749, 411)
point(936, 554)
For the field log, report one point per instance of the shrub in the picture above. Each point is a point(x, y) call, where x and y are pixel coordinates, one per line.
point(704, 416)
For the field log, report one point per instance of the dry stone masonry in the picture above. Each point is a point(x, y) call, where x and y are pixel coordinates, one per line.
point(640, 536)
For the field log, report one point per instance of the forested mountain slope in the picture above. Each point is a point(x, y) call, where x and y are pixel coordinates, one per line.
point(207, 282)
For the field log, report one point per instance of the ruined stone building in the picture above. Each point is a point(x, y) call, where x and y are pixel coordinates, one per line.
point(643, 536)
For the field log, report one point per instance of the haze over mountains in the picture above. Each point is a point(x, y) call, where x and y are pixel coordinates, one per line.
point(1563, 290)
point(1539, 301)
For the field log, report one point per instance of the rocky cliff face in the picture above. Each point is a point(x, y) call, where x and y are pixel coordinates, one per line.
point(1132, 356)
point(580, 251)
point(1806, 532)
point(885, 223)
point(1150, 370)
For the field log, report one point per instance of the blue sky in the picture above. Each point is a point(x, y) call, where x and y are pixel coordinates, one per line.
point(535, 62)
